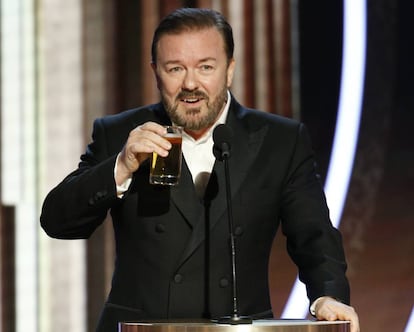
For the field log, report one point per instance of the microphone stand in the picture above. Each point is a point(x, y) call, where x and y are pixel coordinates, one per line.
point(235, 318)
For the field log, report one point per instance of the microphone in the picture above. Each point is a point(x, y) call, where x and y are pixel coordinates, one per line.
point(222, 137)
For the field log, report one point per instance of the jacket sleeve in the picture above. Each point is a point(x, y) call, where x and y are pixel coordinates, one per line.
point(79, 204)
point(312, 241)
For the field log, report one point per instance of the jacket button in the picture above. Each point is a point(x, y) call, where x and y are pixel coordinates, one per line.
point(160, 228)
point(224, 282)
point(101, 194)
point(178, 278)
point(238, 230)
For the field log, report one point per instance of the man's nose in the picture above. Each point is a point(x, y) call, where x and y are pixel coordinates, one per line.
point(190, 81)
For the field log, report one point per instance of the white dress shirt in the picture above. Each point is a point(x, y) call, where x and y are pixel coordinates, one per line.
point(199, 155)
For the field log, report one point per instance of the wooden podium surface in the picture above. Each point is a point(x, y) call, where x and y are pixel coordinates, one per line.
point(284, 325)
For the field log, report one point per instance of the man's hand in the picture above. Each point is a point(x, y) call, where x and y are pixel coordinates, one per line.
point(142, 141)
point(327, 308)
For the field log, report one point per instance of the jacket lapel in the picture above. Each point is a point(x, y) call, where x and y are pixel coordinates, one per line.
point(244, 149)
point(185, 198)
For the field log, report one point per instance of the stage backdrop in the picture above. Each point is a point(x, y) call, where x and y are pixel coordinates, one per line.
point(64, 63)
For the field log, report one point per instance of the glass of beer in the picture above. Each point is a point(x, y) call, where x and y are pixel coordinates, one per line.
point(167, 170)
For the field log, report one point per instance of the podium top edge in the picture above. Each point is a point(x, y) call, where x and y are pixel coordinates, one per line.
point(255, 323)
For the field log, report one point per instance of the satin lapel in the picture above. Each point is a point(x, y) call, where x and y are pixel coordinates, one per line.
point(185, 198)
point(245, 147)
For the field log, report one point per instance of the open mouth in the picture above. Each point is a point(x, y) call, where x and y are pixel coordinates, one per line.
point(191, 100)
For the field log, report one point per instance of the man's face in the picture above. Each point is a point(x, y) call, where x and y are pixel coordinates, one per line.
point(193, 75)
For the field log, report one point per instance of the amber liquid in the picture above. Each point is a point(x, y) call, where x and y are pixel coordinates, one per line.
point(167, 170)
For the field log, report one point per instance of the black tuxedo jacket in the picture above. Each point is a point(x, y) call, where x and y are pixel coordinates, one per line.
point(172, 248)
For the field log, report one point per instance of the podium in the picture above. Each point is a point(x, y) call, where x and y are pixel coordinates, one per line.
point(284, 325)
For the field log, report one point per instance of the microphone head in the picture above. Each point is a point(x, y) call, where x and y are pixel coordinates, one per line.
point(222, 137)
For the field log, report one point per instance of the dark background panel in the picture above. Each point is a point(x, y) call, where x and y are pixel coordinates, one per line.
point(378, 219)
point(320, 31)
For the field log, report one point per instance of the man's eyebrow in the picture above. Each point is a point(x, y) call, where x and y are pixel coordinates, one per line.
point(174, 62)
point(208, 59)
point(171, 62)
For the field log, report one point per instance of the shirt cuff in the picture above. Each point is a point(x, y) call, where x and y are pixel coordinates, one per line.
point(313, 306)
point(123, 187)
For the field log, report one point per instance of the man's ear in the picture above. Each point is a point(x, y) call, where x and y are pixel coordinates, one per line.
point(157, 78)
point(230, 71)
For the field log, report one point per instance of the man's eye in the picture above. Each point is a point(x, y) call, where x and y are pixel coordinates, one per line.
point(174, 69)
point(206, 67)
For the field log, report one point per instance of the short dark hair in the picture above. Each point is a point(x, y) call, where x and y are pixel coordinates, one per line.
point(186, 19)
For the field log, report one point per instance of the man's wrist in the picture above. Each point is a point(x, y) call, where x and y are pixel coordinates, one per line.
point(314, 306)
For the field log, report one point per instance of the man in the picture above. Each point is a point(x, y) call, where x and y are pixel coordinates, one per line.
point(172, 243)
